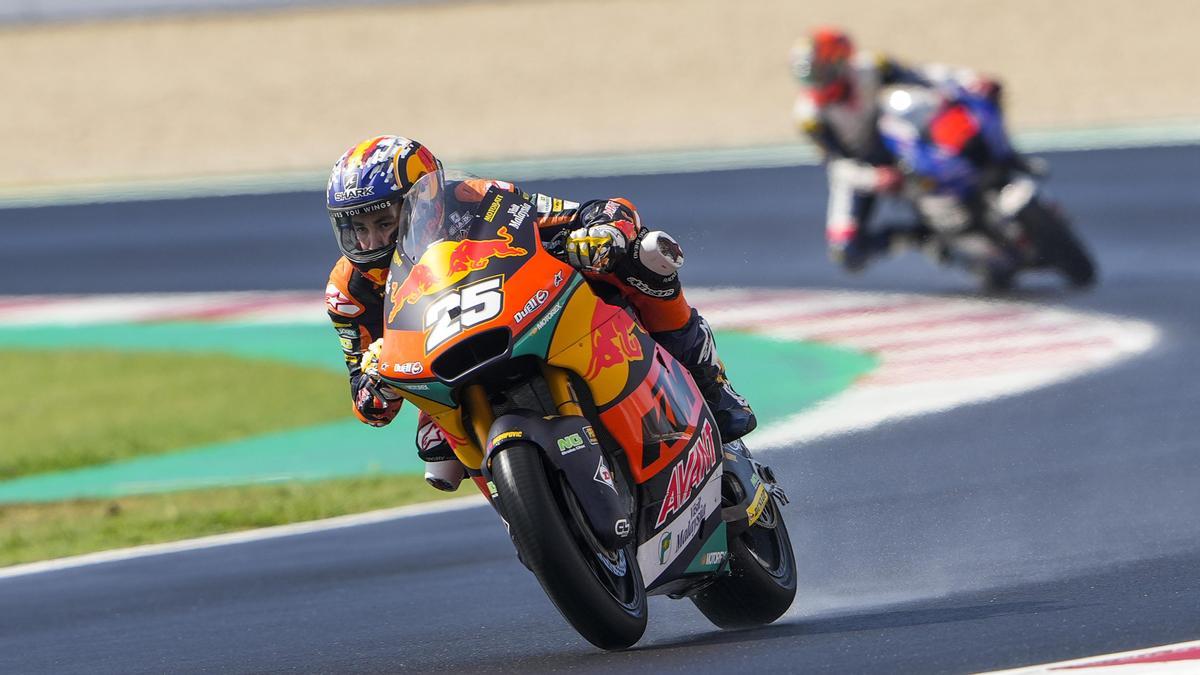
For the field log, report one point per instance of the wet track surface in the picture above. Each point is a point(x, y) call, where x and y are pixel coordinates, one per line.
point(1051, 525)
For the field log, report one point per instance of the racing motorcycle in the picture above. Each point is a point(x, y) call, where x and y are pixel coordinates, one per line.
point(980, 204)
point(596, 448)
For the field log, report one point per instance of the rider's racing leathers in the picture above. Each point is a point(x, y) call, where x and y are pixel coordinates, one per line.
point(645, 274)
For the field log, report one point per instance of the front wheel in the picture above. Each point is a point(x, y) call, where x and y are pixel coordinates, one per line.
point(762, 576)
point(600, 592)
point(1058, 245)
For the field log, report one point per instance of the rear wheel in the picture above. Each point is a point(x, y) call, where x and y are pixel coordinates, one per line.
point(1058, 245)
point(599, 592)
point(762, 576)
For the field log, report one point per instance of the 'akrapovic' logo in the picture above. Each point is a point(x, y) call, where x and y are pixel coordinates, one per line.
point(354, 193)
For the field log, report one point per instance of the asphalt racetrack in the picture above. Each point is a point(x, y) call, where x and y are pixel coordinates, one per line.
point(1051, 525)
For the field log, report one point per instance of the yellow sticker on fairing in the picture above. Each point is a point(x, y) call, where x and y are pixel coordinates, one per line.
point(757, 504)
point(504, 436)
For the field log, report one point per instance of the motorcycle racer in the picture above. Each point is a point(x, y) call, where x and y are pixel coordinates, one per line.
point(604, 239)
point(837, 110)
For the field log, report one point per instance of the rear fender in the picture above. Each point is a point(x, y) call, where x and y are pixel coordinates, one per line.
point(569, 444)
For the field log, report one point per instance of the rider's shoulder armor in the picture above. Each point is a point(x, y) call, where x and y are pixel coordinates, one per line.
point(345, 283)
point(474, 189)
point(351, 296)
point(355, 305)
point(849, 125)
point(867, 70)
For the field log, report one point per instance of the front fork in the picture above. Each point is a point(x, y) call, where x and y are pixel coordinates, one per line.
point(480, 410)
point(750, 484)
point(570, 448)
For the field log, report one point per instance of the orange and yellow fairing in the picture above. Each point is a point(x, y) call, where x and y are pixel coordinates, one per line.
point(643, 396)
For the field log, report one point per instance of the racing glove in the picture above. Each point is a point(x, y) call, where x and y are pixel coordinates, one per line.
point(372, 401)
point(596, 248)
point(888, 179)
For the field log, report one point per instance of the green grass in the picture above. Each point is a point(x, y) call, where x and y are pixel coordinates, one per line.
point(31, 532)
point(63, 409)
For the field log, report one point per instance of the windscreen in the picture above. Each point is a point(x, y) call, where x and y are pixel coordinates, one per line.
point(432, 213)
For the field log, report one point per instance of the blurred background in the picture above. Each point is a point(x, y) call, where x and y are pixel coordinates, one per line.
point(120, 90)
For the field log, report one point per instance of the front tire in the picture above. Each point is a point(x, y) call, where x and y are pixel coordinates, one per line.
point(761, 584)
point(1058, 245)
point(600, 593)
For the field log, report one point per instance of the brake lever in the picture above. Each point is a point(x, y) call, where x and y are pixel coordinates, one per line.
point(557, 246)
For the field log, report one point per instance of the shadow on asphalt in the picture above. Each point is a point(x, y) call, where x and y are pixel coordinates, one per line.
point(1040, 291)
point(879, 619)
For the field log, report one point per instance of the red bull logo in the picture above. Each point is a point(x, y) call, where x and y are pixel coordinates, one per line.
point(446, 263)
point(613, 342)
point(379, 276)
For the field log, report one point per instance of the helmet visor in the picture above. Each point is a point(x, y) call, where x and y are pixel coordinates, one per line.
point(367, 233)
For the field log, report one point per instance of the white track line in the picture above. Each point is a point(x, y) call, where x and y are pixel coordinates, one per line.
point(934, 354)
point(139, 307)
point(1177, 658)
point(275, 532)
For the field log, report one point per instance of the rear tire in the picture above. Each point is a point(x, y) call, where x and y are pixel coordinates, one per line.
point(604, 598)
point(1058, 245)
point(761, 584)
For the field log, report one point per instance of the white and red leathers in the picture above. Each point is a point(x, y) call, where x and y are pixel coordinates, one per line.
point(858, 165)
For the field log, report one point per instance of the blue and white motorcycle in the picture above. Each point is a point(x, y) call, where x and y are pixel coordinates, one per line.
point(980, 204)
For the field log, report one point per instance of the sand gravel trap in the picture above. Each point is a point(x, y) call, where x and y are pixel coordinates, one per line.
point(291, 89)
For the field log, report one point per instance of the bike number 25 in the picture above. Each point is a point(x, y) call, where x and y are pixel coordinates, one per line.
point(462, 308)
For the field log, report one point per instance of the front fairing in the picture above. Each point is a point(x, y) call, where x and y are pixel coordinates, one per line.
point(930, 167)
point(940, 170)
point(469, 261)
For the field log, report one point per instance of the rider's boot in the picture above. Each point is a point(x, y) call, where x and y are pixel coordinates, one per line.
point(694, 347)
point(866, 246)
point(443, 470)
point(445, 475)
point(898, 238)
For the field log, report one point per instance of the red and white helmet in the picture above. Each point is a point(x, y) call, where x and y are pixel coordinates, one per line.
point(821, 64)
